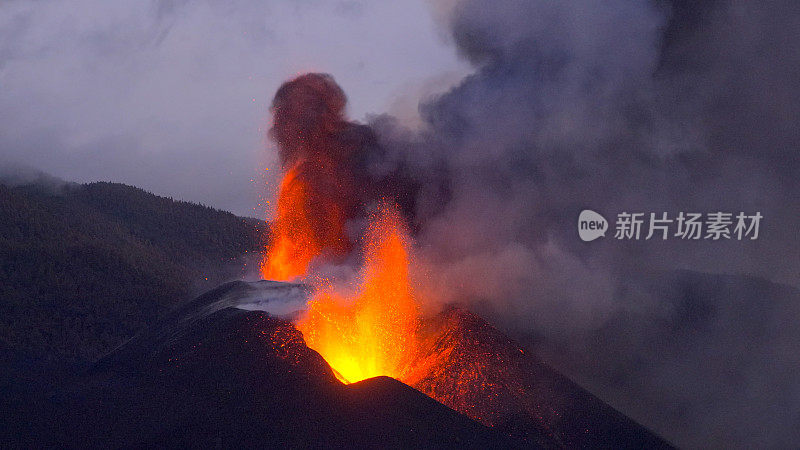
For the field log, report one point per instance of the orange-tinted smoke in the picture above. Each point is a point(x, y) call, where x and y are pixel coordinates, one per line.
point(319, 150)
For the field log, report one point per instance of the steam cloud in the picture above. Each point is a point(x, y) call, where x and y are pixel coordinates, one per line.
point(616, 106)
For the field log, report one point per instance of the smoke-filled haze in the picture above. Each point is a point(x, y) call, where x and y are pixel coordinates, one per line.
point(634, 106)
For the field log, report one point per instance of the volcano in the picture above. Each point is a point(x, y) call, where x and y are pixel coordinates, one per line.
point(230, 369)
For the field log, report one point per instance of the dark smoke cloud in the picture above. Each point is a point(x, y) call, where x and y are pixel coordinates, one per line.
point(338, 169)
point(616, 106)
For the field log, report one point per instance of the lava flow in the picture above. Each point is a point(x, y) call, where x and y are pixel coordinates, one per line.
point(374, 327)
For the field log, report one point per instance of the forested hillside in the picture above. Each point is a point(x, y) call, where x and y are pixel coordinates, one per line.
point(83, 267)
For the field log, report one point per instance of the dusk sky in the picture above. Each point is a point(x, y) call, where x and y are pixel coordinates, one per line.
point(173, 96)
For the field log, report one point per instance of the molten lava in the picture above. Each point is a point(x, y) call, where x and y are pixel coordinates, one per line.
point(372, 332)
point(300, 231)
point(374, 329)
point(328, 183)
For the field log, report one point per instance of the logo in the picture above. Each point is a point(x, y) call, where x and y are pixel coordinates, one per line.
point(591, 225)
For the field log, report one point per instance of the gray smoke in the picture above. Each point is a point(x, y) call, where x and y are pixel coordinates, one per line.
point(636, 106)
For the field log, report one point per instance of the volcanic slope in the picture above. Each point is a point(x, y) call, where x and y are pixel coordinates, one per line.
point(472, 367)
point(219, 371)
point(211, 374)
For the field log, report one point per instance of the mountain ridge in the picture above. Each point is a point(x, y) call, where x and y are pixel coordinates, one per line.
point(84, 266)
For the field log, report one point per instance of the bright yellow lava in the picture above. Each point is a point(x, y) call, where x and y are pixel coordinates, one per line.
point(372, 332)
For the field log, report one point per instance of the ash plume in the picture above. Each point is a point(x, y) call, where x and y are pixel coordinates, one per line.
point(638, 106)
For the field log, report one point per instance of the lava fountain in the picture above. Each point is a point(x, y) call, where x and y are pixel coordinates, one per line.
point(372, 330)
point(297, 239)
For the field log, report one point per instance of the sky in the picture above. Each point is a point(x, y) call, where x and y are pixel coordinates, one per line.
point(173, 96)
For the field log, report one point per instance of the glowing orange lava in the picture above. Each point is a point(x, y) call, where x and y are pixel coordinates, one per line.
point(372, 332)
point(296, 235)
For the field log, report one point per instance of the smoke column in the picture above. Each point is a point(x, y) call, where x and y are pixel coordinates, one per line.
point(638, 106)
point(331, 179)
